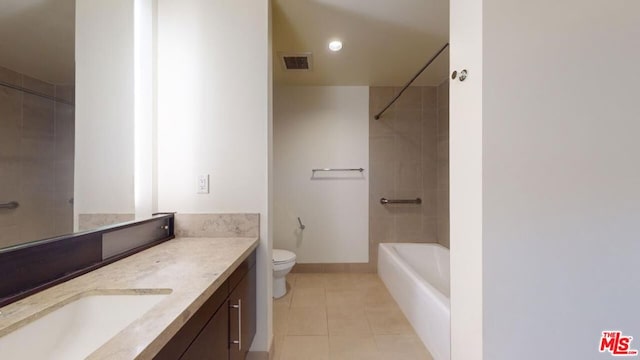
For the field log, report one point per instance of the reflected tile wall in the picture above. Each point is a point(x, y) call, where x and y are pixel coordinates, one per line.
point(36, 160)
point(442, 197)
point(404, 163)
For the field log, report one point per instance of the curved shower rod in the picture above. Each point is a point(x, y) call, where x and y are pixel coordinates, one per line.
point(377, 117)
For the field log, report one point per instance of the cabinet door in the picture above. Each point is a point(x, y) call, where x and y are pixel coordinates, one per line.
point(212, 342)
point(242, 316)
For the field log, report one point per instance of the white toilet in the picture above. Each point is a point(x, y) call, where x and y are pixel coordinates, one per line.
point(283, 261)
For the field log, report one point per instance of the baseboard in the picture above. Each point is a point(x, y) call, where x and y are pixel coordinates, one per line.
point(258, 355)
point(262, 355)
point(334, 268)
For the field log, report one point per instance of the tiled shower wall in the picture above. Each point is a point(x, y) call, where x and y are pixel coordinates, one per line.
point(406, 154)
point(36, 159)
point(442, 171)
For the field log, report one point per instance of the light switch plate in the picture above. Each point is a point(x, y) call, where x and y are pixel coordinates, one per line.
point(203, 184)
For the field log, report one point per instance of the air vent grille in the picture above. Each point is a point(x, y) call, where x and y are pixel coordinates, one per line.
point(298, 62)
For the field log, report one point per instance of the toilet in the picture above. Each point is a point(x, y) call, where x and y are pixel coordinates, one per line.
point(283, 261)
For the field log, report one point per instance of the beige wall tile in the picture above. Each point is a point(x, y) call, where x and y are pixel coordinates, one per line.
point(63, 220)
point(409, 176)
point(37, 117)
point(11, 109)
point(10, 76)
point(410, 99)
point(429, 97)
point(64, 131)
point(38, 86)
point(382, 229)
point(442, 230)
point(9, 183)
point(9, 236)
point(29, 172)
point(66, 93)
point(382, 177)
point(413, 127)
point(37, 221)
point(430, 229)
point(408, 124)
point(307, 321)
point(409, 227)
point(381, 149)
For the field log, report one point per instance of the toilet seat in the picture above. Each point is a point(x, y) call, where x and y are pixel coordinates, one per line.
point(283, 256)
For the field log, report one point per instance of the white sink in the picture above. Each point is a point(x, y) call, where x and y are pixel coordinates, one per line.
point(78, 328)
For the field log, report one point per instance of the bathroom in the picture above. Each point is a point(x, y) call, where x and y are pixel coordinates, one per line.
point(160, 170)
point(334, 162)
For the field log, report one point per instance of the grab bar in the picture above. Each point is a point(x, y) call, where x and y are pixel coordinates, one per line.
point(10, 205)
point(329, 169)
point(385, 201)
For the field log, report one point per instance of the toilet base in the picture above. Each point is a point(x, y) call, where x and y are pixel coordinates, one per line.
point(279, 287)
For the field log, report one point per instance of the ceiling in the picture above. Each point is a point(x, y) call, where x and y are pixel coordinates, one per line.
point(385, 42)
point(37, 38)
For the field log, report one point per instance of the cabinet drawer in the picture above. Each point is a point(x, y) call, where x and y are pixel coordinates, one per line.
point(241, 271)
point(182, 340)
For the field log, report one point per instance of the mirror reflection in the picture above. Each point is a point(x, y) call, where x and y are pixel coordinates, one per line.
point(48, 162)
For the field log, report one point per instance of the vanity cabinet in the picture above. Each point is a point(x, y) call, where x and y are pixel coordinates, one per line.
point(224, 327)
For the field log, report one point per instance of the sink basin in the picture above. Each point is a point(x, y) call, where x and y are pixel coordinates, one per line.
point(78, 328)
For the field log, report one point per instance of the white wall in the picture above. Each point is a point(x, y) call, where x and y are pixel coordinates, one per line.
point(213, 117)
point(560, 193)
point(104, 148)
point(561, 177)
point(144, 106)
point(322, 127)
point(465, 184)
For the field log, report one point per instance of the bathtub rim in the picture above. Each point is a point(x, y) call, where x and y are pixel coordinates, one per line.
point(388, 248)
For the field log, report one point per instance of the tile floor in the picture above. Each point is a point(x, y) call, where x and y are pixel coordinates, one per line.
point(342, 317)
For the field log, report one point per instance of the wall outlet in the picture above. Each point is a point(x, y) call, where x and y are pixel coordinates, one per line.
point(203, 184)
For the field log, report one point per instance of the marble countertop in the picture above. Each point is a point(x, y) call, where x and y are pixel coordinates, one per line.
point(193, 268)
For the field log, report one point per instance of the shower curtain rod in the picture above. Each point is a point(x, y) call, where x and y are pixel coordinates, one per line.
point(377, 117)
point(29, 91)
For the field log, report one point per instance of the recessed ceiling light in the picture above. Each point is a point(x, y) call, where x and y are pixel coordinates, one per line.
point(335, 45)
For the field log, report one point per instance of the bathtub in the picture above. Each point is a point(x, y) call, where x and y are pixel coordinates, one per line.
point(417, 276)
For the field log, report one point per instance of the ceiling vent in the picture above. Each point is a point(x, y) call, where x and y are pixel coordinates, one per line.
point(297, 61)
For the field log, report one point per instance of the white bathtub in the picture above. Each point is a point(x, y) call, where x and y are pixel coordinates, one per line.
point(417, 276)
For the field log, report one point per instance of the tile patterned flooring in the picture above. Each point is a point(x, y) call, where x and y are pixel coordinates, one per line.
point(342, 317)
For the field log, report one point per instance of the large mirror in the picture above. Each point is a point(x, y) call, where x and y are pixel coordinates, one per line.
point(66, 117)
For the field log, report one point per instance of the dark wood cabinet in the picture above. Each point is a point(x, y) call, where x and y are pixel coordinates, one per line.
point(242, 306)
point(224, 327)
point(212, 342)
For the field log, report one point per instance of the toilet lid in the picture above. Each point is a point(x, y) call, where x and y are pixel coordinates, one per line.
point(283, 256)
